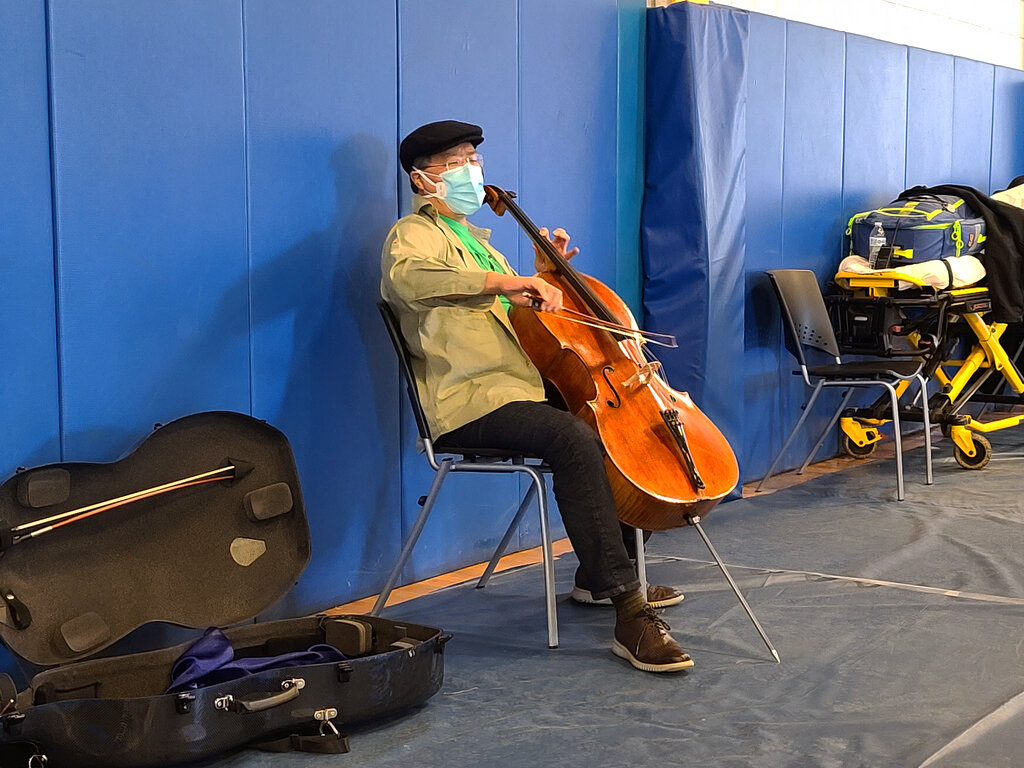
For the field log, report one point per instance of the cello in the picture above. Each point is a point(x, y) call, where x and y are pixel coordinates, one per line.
point(667, 463)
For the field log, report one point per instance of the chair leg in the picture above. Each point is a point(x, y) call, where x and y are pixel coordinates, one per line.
point(927, 429)
point(641, 561)
point(897, 433)
point(414, 534)
point(548, 557)
point(824, 432)
point(503, 544)
point(792, 434)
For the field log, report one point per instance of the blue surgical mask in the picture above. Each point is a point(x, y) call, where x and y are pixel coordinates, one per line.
point(462, 189)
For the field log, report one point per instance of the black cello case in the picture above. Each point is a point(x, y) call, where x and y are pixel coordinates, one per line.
point(210, 554)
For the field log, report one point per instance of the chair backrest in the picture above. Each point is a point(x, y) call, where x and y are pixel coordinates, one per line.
point(804, 314)
point(405, 366)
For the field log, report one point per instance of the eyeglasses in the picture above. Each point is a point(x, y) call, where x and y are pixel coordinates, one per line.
point(457, 162)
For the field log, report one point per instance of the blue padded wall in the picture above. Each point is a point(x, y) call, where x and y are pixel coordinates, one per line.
point(812, 174)
point(1007, 122)
point(676, 286)
point(930, 132)
point(762, 354)
point(29, 414)
point(563, 135)
point(836, 124)
point(972, 123)
point(874, 133)
point(322, 196)
point(472, 51)
point(550, 134)
point(629, 173)
point(149, 173)
point(223, 175)
point(693, 233)
point(812, 183)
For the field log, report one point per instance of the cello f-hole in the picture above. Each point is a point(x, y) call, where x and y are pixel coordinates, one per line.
point(617, 402)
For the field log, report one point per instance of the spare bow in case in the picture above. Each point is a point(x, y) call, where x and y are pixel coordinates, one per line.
point(202, 525)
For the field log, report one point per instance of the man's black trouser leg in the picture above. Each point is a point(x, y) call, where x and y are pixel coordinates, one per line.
point(574, 453)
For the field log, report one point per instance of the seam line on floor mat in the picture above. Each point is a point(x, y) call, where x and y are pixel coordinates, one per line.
point(978, 596)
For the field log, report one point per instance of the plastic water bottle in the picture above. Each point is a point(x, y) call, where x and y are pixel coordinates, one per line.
point(875, 242)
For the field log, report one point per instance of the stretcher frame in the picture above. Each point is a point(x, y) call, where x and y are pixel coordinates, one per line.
point(931, 324)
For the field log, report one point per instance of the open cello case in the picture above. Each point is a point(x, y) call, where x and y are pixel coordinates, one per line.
point(202, 526)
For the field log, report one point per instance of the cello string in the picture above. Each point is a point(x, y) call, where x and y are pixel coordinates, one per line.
point(661, 339)
point(503, 201)
point(572, 316)
point(630, 343)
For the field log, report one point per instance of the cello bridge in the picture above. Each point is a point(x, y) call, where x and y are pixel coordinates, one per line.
point(643, 375)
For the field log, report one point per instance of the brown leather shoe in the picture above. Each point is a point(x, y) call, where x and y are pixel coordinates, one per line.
point(657, 596)
point(644, 641)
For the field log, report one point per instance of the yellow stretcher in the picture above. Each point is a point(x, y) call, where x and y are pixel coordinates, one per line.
point(872, 316)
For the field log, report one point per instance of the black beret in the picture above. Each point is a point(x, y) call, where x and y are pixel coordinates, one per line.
point(436, 137)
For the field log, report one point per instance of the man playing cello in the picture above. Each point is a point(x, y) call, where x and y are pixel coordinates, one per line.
point(451, 292)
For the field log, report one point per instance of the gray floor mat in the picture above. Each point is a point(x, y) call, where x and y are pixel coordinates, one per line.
point(900, 628)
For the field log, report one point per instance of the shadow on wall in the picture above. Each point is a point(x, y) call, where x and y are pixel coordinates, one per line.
point(322, 373)
point(763, 327)
point(338, 405)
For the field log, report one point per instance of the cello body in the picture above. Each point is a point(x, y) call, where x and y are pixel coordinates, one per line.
point(605, 379)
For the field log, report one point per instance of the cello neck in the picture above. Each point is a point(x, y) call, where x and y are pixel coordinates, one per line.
point(502, 200)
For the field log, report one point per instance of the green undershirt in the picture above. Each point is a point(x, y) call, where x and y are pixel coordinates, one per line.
point(480, 254)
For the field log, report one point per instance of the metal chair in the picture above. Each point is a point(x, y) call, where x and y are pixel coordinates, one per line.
point(472, 459)
point(806, 323)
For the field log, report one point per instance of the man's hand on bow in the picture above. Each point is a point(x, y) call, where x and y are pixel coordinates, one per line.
point(525, 291)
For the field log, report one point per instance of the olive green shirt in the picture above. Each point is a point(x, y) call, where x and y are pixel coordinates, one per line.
point(465, 356)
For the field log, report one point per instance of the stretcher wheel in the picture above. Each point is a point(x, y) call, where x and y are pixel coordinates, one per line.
point(855, 451)
point(979, 459)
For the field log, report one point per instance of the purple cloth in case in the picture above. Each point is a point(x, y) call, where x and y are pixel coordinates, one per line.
point(211, 660)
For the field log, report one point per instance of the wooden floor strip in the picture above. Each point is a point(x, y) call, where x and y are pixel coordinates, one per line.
point(470, 573)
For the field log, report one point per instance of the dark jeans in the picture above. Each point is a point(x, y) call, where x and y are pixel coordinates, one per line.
point(576, 457)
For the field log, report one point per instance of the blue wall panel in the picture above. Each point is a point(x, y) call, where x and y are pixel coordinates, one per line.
point(224, 173)
point(563, 130)
point(875, 126)
point(726, 29)
point(564, 134)
point(457, 61)
point(150, 200)
point(812, 179)
point(629, 174)
point(29, 415)
point(322, 195)
point(765, 366)
point(972, 123)
point(863, 119)
point(812, 175)
point(929, 119)
point(1007, 127)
